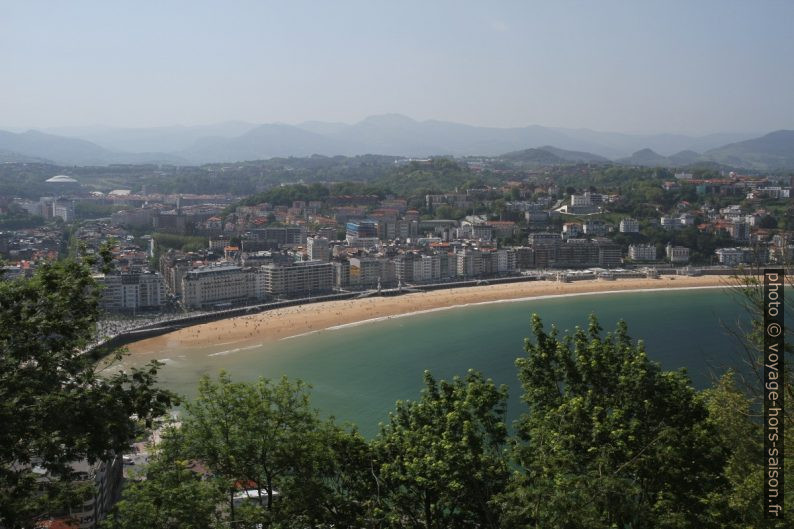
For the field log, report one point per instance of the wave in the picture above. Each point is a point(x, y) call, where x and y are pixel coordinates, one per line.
point(236, 350)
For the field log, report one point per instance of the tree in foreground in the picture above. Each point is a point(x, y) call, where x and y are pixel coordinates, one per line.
point(171, 494)
point(735, 406)
point(265, 437)
point(441, 458)
point(609, 439)
point(55, 407)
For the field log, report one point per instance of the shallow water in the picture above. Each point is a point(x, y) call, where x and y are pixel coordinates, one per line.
point(358, 371)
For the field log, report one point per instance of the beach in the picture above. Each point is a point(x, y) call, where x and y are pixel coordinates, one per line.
point(299, 320)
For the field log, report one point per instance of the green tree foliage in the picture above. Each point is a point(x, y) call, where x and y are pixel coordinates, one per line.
point(55, 407)
point(265, 436)
point(440, 175)
point(609, 439)
point(735, 408)
point(738, 428)
point(286, 195)
point(171, 494)
point(187, 243)
point(441, 457)
point(85, 209)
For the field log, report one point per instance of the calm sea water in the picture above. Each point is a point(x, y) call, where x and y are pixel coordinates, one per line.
point(358, 372)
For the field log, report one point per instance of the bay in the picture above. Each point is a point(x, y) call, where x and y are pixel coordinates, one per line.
point(357, 372)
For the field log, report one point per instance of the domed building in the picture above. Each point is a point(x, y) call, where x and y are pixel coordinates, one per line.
point(61, 179)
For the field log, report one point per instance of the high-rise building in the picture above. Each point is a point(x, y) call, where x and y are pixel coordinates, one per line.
point(127, 292)
point(317, 248)
point(217, 285)
point(303, 278)
point(362, 234)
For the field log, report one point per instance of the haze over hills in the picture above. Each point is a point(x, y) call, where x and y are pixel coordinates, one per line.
point(154, 139)
point(552, 155)
point(391, 134)
point(772, 151)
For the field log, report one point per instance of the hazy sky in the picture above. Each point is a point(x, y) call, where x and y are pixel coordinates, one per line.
point(636, 66)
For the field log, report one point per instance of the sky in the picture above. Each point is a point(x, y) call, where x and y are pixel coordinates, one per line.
point(631, 66)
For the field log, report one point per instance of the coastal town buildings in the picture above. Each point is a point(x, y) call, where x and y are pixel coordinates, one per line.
point(642, 252)
point(304, 278)
point(318, 248)
point(131, 291)
point(216, 285)
point(677, 254)
point(629, 225)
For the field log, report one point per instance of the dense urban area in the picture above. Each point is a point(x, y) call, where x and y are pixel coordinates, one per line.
point(185, 248)
point(194, 240)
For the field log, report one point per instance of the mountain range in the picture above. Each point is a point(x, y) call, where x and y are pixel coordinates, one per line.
point(391, 134)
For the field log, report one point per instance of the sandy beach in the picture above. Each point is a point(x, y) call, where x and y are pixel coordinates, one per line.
point(293, 321)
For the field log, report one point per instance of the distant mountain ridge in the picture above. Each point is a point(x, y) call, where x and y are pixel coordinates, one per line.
point(769, 152)
point(552, 156)
point(773, 151)
point(390, 134)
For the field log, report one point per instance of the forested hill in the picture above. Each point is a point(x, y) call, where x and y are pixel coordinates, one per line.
point(415, 179)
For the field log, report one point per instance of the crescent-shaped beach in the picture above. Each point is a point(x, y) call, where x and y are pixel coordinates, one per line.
point(298, 320)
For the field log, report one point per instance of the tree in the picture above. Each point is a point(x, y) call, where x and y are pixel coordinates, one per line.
point(441, 458)
point(172, 494)
point(56, 407)
point(265, 436)
point(735, 407)
point(609, 439)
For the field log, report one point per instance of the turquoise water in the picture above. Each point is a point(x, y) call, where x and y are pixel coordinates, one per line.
point(357, 372)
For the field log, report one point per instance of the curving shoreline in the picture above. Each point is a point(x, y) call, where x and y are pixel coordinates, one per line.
point(283, 323)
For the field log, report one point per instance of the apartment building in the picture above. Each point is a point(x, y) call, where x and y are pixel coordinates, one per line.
point(365, 271)
point(129, 292)
point(730, 256)
point(217, 285)
point(551, 252)
point(629, 225)
point(677, 254)
point(301, 278)
point(318, 248)
point(642, 252)
point(104, 481)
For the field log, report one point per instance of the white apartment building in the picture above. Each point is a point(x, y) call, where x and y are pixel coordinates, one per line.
point(581, 200)
point(642, 252)
point(668, 223)
point(730, 256)
point(63, 209)
point(131, 291)
point(597, 228)
point(308, 277)
point(217, 284)
point(505, 261)
point(427, 268)
point(629, 225)
point(469, 263)
point(364, 271)
point(677, 254)
point(318, 248)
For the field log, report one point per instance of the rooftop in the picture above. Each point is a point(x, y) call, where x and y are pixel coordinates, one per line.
point(61, 179)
